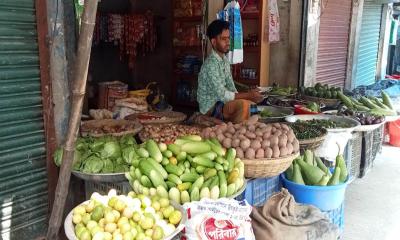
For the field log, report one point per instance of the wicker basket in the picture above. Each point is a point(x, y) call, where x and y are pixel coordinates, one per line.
point(267, 167)
point(91, 128)
point(312, 143)
point(160, 117)
point(328, 102)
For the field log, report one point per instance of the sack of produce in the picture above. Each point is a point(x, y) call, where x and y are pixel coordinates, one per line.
point(218, 219)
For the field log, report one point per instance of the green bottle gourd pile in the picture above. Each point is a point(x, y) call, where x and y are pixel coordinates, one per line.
point(309, 169)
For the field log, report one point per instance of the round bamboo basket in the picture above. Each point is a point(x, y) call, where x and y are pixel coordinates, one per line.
point(98, 128)
point(267, 167)
point(312, 143)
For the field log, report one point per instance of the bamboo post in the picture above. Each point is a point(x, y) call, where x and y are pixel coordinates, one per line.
point(78, 93)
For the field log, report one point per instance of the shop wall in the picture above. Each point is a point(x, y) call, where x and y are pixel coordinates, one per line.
point(285, 54)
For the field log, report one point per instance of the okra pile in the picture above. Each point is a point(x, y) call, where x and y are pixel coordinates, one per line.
point(187, 170)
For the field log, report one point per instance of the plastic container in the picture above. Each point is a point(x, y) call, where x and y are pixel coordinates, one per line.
point(325, 198)
point(352, 155)
point(367, 154)
point(336, 216)
point(394, 133)
point(377, 140)
point(259, 190)
point(104, 187)
point(301, 109)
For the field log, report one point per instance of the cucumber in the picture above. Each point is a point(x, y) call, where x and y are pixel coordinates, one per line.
point(162, 147)
point(233, 176)
point(205, 193)
point(184, 186)
point(219, 167)
point(189, 177)
point(230, 157)
point(145, 181)
point(174, 178)
point(194, 138)
point(162, 192)
point(198, 183)
point(165, 161)
point(135, 163)
point(147, 169)
point(216, 148)
point(214, 193)
point(170, 184)
point(175, 149)
point(345, 100)
point(175, 195)
point(196, 147)
point(382, 112)
point(215, 182)
point(153, 150)
point(231, 189)
point(368, 102)
point(143, 153)
point(209, 155)
point(180, 142)
point(181, 156)
point(223, 187)
point(185, 197)
point(387, 100)
point(187, 164)
point(200, 169)
point(204, 162)
point(167, 154)
point(216, 142)
point(195, 194)
point(174, 169)
point(138, 174)
point(158, 167)
point(207, 183)
point(209, 173)
point(220, 160)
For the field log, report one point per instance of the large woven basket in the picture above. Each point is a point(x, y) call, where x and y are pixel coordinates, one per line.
point(160, 117)
point(328, 102)
point(267, 167)
point(312, 143)
point(93, 127)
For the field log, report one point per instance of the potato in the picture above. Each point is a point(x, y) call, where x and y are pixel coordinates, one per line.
point(213, 135)
point(291, 136)
point(229, 124)
point(267, 135)
point(220, 137)
point(232, 130)
point(289, 147)
point(273, 130)
point(283, 151)
point(274, 141)
point(242, 137)
point(268, 127)
point(244, 144)
point(239, 153)
point(296, 145)
point(275, 151)
point(278, 133)
point(228, 135)
point(268, 152)
point(259, 139)
point(223, 127)
point(242, 130)
point(252, 120)
point(285, 127)
point(259, 132)
point(235, 142)
point(218, 131)
point(251, 128)
point(283, 139)
point(260, 153)
point(250, 154)
point(265, 143)
point(262, 125)
point(255, 144)
point(277, 125)
point(227, 143)
point(250, 135)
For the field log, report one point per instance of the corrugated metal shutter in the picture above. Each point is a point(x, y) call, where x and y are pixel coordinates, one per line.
point(333, 42)
point(23, 185)
point(369, 43)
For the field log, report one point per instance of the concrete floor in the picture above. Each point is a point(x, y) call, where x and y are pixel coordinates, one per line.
point(372, 207)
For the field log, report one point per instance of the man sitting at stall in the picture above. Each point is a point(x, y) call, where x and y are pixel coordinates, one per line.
point(216, 94)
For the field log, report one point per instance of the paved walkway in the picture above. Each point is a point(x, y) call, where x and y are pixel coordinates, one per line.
point(372, 207)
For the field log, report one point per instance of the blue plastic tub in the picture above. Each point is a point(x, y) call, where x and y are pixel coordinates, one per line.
point(259, 190)
point(325, 198)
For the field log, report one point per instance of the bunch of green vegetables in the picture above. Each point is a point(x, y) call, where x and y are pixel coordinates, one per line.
point(282, 91)
point(309, 169)
point(101, 155)
point(370, 104)
point(321, 91)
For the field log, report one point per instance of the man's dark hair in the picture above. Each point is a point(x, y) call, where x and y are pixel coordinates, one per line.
point(216, 28)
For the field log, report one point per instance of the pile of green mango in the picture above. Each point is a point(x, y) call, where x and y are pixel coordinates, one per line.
point(309, 169)
point(321, 91)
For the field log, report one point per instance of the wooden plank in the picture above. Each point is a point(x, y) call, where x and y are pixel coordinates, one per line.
point(264, 44)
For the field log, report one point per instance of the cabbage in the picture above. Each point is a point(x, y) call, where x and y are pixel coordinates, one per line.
point(58, 155)
point(127, 140)
point(111, 150)
point(93, 164)
point(128, 154)
point(108, 166)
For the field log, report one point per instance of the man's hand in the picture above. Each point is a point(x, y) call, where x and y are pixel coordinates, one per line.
point(255, 95)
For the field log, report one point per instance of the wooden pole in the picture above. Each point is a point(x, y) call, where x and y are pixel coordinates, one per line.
point(78, 93)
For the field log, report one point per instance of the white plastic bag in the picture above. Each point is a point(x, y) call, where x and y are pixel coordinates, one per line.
point(223, 219)
point(329, 148)
point(273, 21)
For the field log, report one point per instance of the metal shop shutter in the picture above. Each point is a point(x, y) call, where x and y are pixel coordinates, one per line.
point(23, 184)
point(368, 46)
point(333, 42)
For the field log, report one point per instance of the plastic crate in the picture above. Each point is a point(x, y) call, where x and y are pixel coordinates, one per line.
point(367, 154)
point(352, 155)
point(336, 216)
point(259, 190)
point(104, 187)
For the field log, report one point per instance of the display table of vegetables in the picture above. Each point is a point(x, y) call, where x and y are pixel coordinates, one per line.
point(187, 170)
point(103, 159)
point(125, 217)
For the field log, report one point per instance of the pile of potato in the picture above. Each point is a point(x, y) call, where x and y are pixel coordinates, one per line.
point(255, 140)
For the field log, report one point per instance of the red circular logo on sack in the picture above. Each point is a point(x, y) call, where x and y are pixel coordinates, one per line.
point(214, 229)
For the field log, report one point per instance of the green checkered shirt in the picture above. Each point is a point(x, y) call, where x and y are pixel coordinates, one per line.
point(215, 82)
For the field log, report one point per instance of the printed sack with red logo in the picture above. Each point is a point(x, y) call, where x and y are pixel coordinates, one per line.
point(223, 219)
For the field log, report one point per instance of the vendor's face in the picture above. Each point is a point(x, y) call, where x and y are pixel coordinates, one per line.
point(222, 42)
